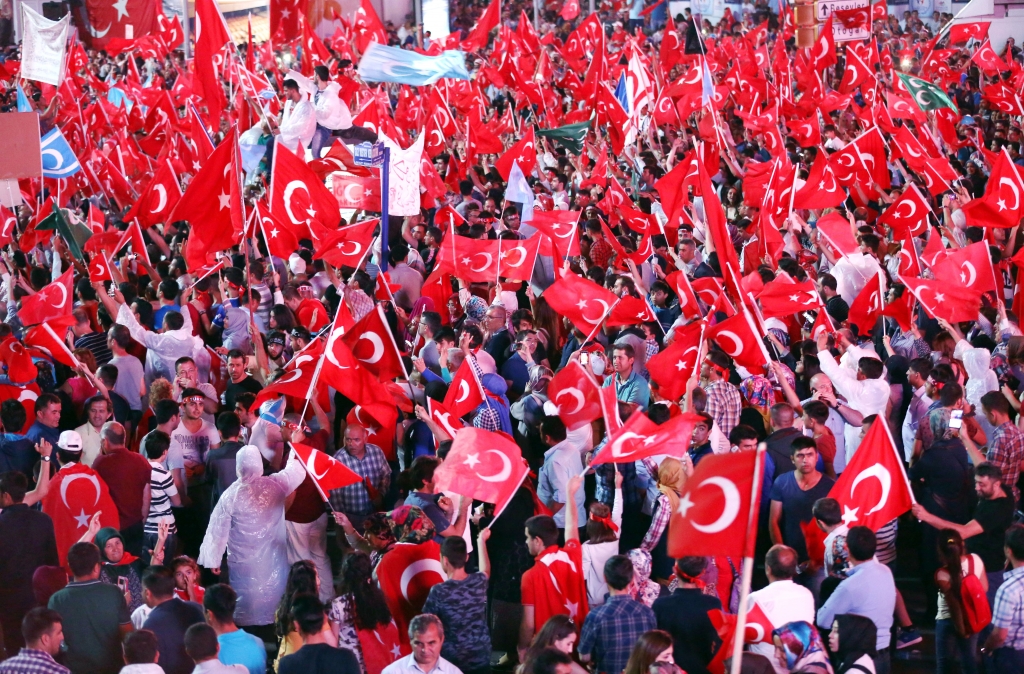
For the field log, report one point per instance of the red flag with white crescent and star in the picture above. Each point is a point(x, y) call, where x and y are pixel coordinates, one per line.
point(873, 490)
point(377, 433)
point(868, 305)
point(714, 512)
point(159, 198)
point(77, 493)
point(971, 265)
point(281, 240)
point(298, 197)
point(99, 271)
point(524, 151)
point(945, 299)
point(1003, 202)
point(347, 246)
point(406, 574)
point(909, 213)
point(482, 465)
point(640, 438)
point(779, 298)
point(443, 417)
point(361, 192)
point(561, 228)
point(8, 222)
point(739, 339)
point(759, 627)
point(374, 346)
point(582, 301)
point(671, 368)
point(53, 301)
point(326, 472)
point(575, 392)
point(464, 392)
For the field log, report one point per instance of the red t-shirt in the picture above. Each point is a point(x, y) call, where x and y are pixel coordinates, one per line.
point(183, 595)
point(311, 315)
point(554, 585)
point(126, 474)
point(827, 446)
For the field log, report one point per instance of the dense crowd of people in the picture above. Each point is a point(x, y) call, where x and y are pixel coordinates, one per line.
point(169, 426)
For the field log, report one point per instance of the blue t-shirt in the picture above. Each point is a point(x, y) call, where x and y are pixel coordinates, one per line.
point(38, 430)
point(242, 648)
point(796, 507)
point(158, 315)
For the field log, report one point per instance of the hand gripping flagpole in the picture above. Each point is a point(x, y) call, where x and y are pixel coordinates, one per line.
point(748, 563)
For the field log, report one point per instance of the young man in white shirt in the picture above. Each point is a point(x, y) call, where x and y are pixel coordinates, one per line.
point(783, 601)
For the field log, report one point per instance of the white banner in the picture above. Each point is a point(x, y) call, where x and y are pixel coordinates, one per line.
point(43, 45)
point(404, 177)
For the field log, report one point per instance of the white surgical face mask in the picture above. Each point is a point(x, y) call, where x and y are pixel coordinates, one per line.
point(597, 364)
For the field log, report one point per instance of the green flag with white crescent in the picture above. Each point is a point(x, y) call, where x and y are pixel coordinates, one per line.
point(926, 95)
point(570, 135)
point(74, 235)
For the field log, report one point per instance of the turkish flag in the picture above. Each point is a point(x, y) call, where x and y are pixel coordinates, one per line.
point(133, 236)
point(714, 514)
point(575, 392)
point(374, 346)
point(908, 214)
point(361, 192)
point(570, 9)
point(738, 338)
point(285, 16)
point(480, 35)
point(281, 241)
point(902, 310)
point(524, 152)
point(806, 132)
point(517, 257)
point(640, 438)
point(50, 343)
point(934, 250)
point(582, 301)
point(855, 17)
point(482, 465)
point(297, 380)
point(688, 304)
point(879, 10)
point(367, 26)
point(347, 246)
point(99, 271)
point(673, 366)
point(945, 298)
point(53, 301)
point(873, 490)
point(837, 232)
point(77, 493)
point(962, 32)
point(630, 311)
point(327, 472)
point(1002, 204)
point(988, 60)
point(211, 36)
point(759, 627)
point(709, 290)
point(405, 575)
point(972, 265)
point(212, 205)
point(443, 417)
point(857, 73)
point(464, 393)
point(8, 225)
point(780, 298)
point(910, 263)
point(824, 50)
point(376, 433)
point(338, 158)
point(298, 197)
point(560, 228)
point(469, 259)
point(868, 305)
point(159, 198)
point(907, 146)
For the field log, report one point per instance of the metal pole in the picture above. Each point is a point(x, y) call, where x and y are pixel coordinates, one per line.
point(536, 14)
point(385, 169)
point(186, 29)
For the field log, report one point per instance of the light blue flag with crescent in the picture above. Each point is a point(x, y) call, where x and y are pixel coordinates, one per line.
point(23, 104)
point(391, 64)
point(116, 96)
point(59, 160)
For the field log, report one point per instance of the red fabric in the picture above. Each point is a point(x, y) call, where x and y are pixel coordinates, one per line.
point(406, 573)
point(868, 305)
point(582, 301)
point(873, 490)
point(675, 364)
point(381, 647)
point(374, 346)
point(946, 299)
point(971, 266)
point(554, 585)
point(484, 465)
point(311, 315)
point(781, 298)
point(76, 493)
point(1003, 202)
point(908, 214)
point(640, 438)
point(561, 228)
point(210, 42)
point(126, 475)
point(347, 246)
point(212, 202)
point(736, 336)
point(576, 394)
point(325, 471)
point(53, 301)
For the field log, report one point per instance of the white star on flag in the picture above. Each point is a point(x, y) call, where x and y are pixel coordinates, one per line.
point(472, 460)
point(684, 505)
point(850, 515)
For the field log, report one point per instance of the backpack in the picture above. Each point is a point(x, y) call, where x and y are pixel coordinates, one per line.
point(977, 614)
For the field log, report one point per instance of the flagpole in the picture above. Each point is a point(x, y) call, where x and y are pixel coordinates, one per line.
point(497, 513)
point(68, 351)
point(748, 565)
point(603, 318)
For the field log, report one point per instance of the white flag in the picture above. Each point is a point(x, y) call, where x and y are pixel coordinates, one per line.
point(404, 177)
point(44, 42)
point(518, 190)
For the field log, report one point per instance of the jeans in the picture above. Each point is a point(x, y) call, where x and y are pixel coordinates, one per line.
point(321, 139)
point(946, 639)
point(1006, 661)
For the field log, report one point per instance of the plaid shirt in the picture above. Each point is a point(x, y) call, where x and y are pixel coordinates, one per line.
point(611, 629)
point(600, 252)
point(723, 405)
point(1008, 612)
point(373, 467)
point(1006, 450)
point(31, 661)
point(659, 522)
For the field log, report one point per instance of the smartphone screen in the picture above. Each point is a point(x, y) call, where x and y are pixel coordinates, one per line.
point(956, 419)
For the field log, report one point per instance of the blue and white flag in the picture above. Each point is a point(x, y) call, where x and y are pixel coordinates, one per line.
point(23, 104)
point(117, 96)
point(707, 85)
point(621, 95)
point(59, 160)
point(391, 64)
point(518, 190)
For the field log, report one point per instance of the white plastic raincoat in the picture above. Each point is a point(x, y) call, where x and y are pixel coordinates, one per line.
point(248, 521)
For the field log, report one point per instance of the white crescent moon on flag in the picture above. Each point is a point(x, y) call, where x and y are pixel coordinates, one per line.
point(617, 444)
point(416, 568)
point(729, 512)
point(1013, 188)
point(358, 248)
point(506, 468)
point(971, 271)
point(576, 394)
point(378, 347)
point(487, 264)
point(522, 256)
point(600, 318)
point(348, 197)
point(879, 472)
point(288, 191)
point(294, 375)
point(64, 296)
point(337, 333)
point(911, 212)
point(734, 338)
point(463, 392)
point(162, 203)
point(71, 478)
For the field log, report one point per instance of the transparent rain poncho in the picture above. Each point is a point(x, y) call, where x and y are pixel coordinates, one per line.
point(980, 377)
point(248, 521)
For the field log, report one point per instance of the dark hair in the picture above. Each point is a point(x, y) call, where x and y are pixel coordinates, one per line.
point(108, 375)
point(120, 335)
point(201, 642)
point(953, 392)
point(174, 321)
point(546, 661)
point(781, 561)
point(308, 612)
point(165, 410)
point(802, 442)
point(552, 427)
point(951, 549)
point(599, 532)
point(420, 472)
point(370, 607)
point(291, 84)
point(45, 400)
point(1014, 540)
point(544, 528)
point(862, 543)
point(618, 572)
point(993, 401)
point(741, 432)
point(301, 581)
point(156, 443)
point(140, 647)
point(922, 366)
point(690, 567)
point(322, 72)
point(828, 281)
point(82, 559)
point(433, 321)
point(12, 415)
point(647, 648)
point(454, 550)
point(828, 511)
point(228, 424)
point(159, 580)
point(988, 470)
point(38, 622)
point(220, 600)
point(817, 410)
point(14, 484)
point(858, 637)
point(555, 629)
point(870, 367)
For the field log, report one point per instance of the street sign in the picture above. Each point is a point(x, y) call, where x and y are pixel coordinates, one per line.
point(368, 155)
point(824, 8)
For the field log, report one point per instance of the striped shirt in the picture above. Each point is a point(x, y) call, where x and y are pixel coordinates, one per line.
point(96, 342)
point(885, 551)
point(1008, 612)
point(161, 489)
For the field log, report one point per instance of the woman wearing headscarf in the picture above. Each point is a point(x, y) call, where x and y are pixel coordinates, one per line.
point(852, 640)
point(120, 567)
point(456, 314)
point(377, 538)
point(248, 522)
point(798, 648)
point(415, 548)
point(529, 412)
point(493, 413)
point(759, 395)
point(672, 474)
point(644, 590)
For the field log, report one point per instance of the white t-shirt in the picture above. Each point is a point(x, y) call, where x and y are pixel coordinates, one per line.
point(189, 449)
point(979, 568)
